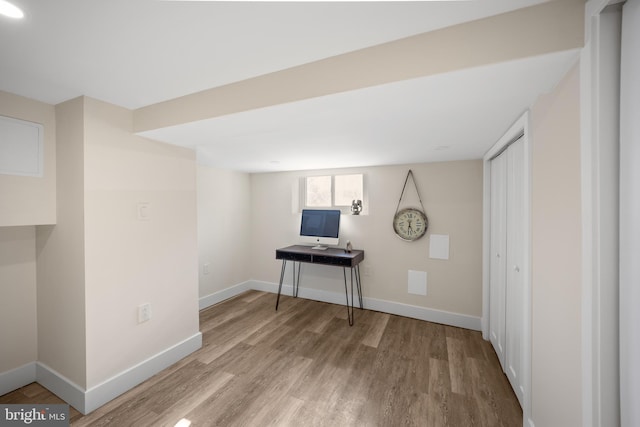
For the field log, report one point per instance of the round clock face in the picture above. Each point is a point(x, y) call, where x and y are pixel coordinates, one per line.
point(410, 224)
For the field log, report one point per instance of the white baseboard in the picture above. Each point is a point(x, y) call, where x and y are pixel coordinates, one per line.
point(126, 380)
point(391, 307)
point(61, 386)
point(429, 314)
point(306, 293)
point(222, 295)
point(18, 377)
point(93, 398)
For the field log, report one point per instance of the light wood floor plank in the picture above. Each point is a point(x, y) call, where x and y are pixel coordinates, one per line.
point(374, 334)
point(305, 366)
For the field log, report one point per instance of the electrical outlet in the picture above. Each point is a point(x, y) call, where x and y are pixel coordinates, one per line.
point(144, 312)
point(367, 271)
point(205, 268)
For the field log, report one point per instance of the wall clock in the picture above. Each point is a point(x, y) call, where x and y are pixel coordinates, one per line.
point(410, 223)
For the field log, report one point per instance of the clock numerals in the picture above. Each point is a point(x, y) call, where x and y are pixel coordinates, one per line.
point(410, 224)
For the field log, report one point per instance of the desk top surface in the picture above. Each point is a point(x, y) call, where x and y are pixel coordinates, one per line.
point(329, 251)
point(355, 256)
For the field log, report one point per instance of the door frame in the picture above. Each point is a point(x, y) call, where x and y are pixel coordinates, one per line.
point(629, 212)
point(520, 127)
point(597, 400)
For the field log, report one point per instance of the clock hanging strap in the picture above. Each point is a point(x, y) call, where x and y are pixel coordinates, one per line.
point(410, 174)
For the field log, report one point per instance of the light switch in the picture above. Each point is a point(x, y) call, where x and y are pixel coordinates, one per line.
point(143, 211)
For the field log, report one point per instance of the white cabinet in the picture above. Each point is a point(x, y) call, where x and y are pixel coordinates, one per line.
point(507, 268)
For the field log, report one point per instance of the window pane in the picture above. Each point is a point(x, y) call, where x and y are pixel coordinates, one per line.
point(318, 191)
point(348, 188)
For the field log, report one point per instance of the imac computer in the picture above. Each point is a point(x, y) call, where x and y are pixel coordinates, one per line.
point(320, 227)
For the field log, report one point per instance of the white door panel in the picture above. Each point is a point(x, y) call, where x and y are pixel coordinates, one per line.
point(497, 286)
point(507, 267)
point(515, 266)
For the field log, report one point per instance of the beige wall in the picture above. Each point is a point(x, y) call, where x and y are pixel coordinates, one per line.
point(224, 228)
point(556, 256)
point(452, 195)
point(129, 261)
point(100, 262)
point(18, 329)
point(29, 200)
point(23, 201)
point(60, 251)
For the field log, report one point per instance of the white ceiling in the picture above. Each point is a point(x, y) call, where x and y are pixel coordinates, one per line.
point(135, 53)
point(451, 116)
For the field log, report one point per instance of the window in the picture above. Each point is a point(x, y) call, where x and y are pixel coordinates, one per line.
point(347, 189)
point(318, 191)
point(333, 190)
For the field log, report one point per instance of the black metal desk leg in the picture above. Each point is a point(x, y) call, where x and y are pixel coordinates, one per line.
point(284, 264)
point(359, 286)
point(346, 294)
point(296, 281)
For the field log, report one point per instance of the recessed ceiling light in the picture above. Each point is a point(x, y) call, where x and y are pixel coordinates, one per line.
point(10, 10)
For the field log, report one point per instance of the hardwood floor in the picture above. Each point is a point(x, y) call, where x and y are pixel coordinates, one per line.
point(304, 366)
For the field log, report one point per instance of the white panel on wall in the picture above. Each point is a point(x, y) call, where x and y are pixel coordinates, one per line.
point(439, 246)
point(21, 147)
point(417, 282)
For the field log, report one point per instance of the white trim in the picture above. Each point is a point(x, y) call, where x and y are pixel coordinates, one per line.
point(486, 244)
point(61, 386)
point(629, 213)
point(429, 314)
point(219, 296)
point(391, 307)
point(586, 166)
point(102, 393)
point(87, 401)
point(521, 126)
point(590, 179)
point(18, 377)
point(306, 293)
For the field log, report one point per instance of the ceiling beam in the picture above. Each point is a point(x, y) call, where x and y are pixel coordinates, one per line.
point(545, 28)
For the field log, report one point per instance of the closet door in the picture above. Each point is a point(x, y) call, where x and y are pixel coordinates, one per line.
point(498, 272)
point(515, 297)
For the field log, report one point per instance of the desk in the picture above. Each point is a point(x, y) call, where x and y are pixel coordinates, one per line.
point(331, 256)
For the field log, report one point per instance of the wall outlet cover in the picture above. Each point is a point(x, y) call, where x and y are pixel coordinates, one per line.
point(144, 312)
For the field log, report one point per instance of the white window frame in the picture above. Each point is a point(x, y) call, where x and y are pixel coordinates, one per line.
point(345, 209)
